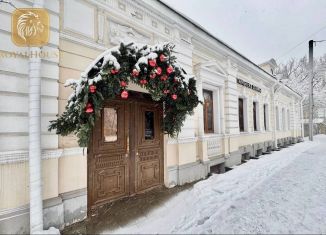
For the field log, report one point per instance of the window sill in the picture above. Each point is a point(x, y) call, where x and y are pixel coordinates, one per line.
point(252, 133)
point(244, 132)
point(267, 131)
point(210, 135)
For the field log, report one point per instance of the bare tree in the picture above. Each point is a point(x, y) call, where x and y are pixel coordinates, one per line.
point(296, 75)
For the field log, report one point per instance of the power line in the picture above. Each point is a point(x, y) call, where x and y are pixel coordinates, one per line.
point(320, 41)
point(8, 2)
point(303, 41)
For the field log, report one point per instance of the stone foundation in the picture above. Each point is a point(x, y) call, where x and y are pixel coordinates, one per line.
point(58, 212)
point(187, 173)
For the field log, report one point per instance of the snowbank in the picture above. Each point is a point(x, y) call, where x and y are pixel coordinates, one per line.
point(199, 209)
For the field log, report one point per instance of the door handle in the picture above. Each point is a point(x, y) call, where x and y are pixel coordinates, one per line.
point(128, 144)
point(127, 149)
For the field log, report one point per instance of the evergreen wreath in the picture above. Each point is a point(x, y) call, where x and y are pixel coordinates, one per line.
point(153, 68)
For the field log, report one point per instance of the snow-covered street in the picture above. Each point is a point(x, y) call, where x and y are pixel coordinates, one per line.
point(283, 192)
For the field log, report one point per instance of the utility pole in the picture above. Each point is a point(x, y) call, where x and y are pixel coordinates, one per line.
point(311, 64)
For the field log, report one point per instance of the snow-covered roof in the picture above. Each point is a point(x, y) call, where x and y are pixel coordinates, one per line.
point(197, 25)
point(214, 37)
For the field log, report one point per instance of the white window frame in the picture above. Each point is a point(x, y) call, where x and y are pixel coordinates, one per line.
point(277, 118)
point(283, 119)
point(211, 76)
point(257, 116)
point(245, 113)
point(217, 107)
point(266, 115)
point(289, 119)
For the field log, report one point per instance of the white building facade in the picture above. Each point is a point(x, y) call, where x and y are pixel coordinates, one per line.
point(245, 111)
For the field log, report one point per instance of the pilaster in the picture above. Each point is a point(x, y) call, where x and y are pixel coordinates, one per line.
point(231, 100)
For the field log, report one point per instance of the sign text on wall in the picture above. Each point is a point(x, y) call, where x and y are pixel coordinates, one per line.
point(247, 84)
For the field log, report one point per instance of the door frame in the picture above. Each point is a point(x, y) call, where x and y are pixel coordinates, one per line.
point(90, 208)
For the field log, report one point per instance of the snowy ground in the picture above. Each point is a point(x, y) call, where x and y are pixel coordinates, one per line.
point(284, 192)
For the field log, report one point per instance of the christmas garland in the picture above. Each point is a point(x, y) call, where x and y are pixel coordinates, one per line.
point(153, 68)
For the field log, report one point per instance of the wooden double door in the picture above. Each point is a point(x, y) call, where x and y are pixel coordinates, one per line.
point(125, 155)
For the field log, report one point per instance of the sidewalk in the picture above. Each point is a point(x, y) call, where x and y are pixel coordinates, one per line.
point(126, 212)
point(283, 192)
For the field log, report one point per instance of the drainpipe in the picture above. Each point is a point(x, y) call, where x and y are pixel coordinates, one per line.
point(35, 178)
point(274, 119)
point(35, 168)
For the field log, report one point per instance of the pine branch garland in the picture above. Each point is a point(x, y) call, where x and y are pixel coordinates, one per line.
point(153, 68)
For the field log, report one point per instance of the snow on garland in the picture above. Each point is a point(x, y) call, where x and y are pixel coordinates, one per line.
point(153, 68)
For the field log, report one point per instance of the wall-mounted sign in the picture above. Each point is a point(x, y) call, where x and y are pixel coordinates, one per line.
point(30, 27)
point(247, 84)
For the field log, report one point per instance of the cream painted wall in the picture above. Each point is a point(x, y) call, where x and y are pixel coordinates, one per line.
point(186, 153)
point(72, 173)
point(283, 134)
point(172, 154)
point(246, 139)
point(14, 82)
point(74, 58)
point(14, 181)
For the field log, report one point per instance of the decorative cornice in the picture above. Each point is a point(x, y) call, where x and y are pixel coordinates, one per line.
point(88, 43)
point(139, 12)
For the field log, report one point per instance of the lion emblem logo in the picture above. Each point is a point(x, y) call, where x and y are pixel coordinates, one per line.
point(30, 27)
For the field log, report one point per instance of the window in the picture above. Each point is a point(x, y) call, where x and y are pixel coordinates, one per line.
point(266, 120)
point(110, 125)
point(283, 120)
point(289, 121)
point(255, 116)
point(208, 111)
point(277, 117)
point(241, 115)
point(149, 125)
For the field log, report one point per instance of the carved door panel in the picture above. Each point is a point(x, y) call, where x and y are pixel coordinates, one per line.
point(148, 146)
point(108, 163)
point(118, 167)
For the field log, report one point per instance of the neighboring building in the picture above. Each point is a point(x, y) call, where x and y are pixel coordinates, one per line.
point(269, 66)
point(246, 111)
point(319, 122)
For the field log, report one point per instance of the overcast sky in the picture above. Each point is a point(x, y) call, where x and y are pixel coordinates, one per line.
point(261, 29)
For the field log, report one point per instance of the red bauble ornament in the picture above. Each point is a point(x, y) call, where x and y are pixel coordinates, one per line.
point(123, 84)
point(135, 72)
point(166, 91)
point(162, 58)
point(174, 96)
point(158, 70)
point(152, 62)
point(89, 108)
point(92, 89)
point(124, 94)
point(152, 75)
point(164, 77)
point(143, 81)
point(169, 69)
point(114, 71)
